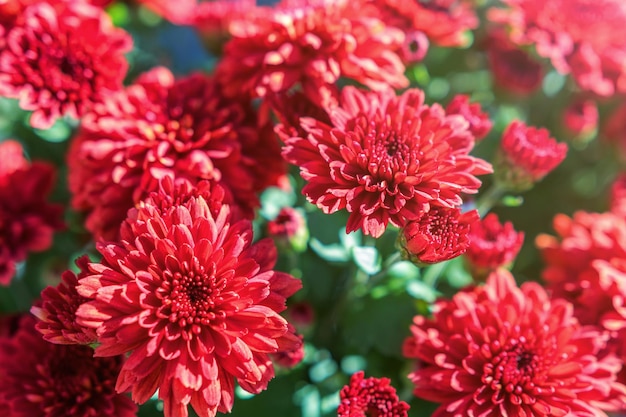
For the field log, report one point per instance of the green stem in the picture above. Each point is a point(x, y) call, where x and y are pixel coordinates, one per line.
point(389, 262)
point(489, 199)
point(432, 274)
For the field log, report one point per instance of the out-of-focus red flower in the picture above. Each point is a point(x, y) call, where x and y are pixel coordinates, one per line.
point(288, 223)
point(492, 245)
point(569, 256)
point(60, 60)
point(512, 68)
point(370, 397)
point(289, 108)
point(526, 155)
point(580, 118)
point(180, 12)
point(503, 350)
point(212, 19)
point(57, 310)
point(41, 379)
point(291, 357)
point(386, 159)
point(586, 38)
point(312, 44)
point(301, 314)
point(479, 121)
point(27, 220)
point(614, 129)
point(193, 302)
point(618, 195)
point(164, 127)
point(440, 234)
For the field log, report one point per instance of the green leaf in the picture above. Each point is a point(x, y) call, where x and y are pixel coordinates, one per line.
point(331, 253)
point(367, 259)
point(421, 291)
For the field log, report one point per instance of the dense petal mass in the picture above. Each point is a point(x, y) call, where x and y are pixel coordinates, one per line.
point(370, 397)
point(192, 301)
point(586, 38)
point(61, 59)
point(161, 127)
point(27, 220)
point(479, 122)
point(313, 44)
point(40, 379)
point(506, 351)
point(385, 158)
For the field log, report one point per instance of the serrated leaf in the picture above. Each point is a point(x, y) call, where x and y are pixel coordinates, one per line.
point(367, 259)
point(332, 253)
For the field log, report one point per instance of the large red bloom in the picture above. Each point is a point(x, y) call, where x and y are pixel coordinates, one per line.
point(40, 379)
point(164, 127)
point(27, 220)
point(311, 43)
point(60, 60)
point(370, 397)
point(584, 37)
point(192, 301)
point(385, 158)
point(508, 351)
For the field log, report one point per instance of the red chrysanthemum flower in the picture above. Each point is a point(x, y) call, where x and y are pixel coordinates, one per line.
point(580, 118)
point(288, 223)
point(192, 301)
point(584, 37)
point(57, 310)
point(291, 357)
point(62, 59)
point(512, 68)
point(27, 220)
point(492, 245)
point(614, 130)
point(313, 44)
point(289, 108)
point(386, 159)
point(526, 155)
point(506, 351)
point(41, 379)
point(164, 127)
point(440, 234)
point(569, 257)
point(370, 397)
point(479, 121)
point(444, 22)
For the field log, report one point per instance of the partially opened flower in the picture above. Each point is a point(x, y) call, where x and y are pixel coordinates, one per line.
point(500, 350)
point(586, 38)
point(492, 245)
point(161, 127)
point(41, 379)
point(386, 159)
point(27, 219)
point(61, 59)
point(311, 44)
point(192, 301)
point(526, 155)
point(370, 397)
point(479, 121)
point(439, 235)
point(580, 118)
point(57, 310)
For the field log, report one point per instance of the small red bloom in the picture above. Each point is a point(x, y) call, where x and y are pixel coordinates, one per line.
point(385, 158)
point(581, 37)
point(161, 127)
point(492, 245)
point(27, 220)
point(57, 310)
point(614, 130)
point(40, 379)
point(512, 68)
point(62, 59)
point(370, 397)
point(618, 195)
point(500, 350)
point(291, 357)
point(526, 155)
point(288, 223)
point(440, 234)
point(479, 122)
point(313, 44)
point(581, 118)
point(192, 301)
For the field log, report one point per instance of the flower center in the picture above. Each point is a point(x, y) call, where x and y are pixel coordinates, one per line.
point(192, 298)
point(513, 370)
